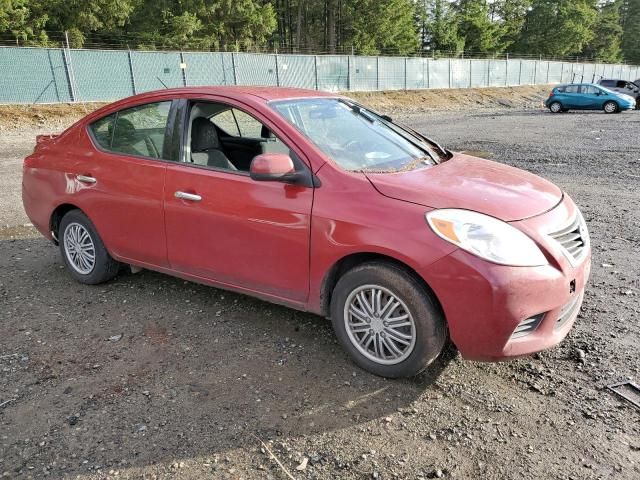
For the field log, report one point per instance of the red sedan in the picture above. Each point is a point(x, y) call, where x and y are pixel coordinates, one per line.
point(310, 200)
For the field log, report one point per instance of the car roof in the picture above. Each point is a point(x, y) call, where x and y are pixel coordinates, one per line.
point(264, 93)
point(579, 83)
point(260, 94)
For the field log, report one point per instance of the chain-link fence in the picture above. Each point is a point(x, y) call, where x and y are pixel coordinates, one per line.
point(41, 75)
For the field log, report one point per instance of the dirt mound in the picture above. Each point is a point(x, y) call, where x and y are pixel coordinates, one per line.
point(60, 116)
point(417, 101)
point(57, 116)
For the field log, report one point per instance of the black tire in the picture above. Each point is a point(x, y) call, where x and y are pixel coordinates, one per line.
point(555, 107)
point(430, 325)
point(611, 107)
point(104, 267)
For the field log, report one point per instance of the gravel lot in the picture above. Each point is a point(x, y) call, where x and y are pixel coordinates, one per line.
point(150, 376)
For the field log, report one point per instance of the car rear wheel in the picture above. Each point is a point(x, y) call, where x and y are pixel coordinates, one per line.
point(610, 107)
point(386, 320)
point(555, 107)
point(82, 250)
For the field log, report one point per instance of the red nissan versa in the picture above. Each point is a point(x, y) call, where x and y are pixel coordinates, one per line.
point(310, 200)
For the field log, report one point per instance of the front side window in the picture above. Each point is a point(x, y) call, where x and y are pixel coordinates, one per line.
point(238, 123)
point(225, 138)
point(137, 131)
point(354, 137)
point(590, 90)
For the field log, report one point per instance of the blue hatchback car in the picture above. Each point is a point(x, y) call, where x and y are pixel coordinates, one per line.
point(587, 96)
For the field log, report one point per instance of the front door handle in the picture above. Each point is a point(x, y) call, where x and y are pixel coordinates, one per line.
point(85, 179)
point(188, 196)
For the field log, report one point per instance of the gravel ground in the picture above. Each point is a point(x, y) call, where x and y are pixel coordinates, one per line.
point(150, 376)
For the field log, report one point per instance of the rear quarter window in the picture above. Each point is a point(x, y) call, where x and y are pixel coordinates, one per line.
point(139, 130)
point(102, 130)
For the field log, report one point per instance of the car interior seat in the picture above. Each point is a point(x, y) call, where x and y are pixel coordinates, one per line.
point(205, 145)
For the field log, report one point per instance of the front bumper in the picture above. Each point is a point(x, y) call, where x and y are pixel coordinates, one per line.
point(485, 303)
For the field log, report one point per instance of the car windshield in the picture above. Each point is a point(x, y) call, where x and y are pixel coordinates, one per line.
point(355, 138)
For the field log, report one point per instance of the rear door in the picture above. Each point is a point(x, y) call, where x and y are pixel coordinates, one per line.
point(571, 97)
point(123, 181)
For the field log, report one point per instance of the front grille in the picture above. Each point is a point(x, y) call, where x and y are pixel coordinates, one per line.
point(569, 311)
point(527, 326)
point(573, 238)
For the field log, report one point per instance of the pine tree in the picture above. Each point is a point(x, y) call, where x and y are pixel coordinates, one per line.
point(607, 39)
point(475, 26)
point(558, 27)
point(441, 28)
point(631, 39)
point(382, 26)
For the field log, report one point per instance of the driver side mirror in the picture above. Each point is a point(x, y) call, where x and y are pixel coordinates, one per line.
point(278, 167)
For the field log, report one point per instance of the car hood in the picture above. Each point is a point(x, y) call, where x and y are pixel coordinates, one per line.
point(628, 98)
point(474, 184)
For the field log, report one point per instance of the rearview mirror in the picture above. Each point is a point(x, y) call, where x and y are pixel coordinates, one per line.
point(272, 167)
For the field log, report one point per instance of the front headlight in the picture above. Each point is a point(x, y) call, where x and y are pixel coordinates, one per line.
point(485, 236)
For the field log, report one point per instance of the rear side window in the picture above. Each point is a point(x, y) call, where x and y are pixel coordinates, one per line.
point(571, 89)
point(608, 83)
point(137, 131)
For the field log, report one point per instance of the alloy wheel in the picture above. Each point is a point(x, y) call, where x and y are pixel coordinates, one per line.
point(79, 248)
point(379, 324)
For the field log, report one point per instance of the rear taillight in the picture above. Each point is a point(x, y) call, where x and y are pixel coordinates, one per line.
point(551, 94)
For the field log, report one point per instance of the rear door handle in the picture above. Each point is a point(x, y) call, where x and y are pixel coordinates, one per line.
point(188, 196)
point(85, 179)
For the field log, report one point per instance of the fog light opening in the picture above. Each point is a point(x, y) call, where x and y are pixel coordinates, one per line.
point(527, 326)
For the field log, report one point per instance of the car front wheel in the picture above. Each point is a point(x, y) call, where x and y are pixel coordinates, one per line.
point(386, 320)
point(555, 107)
point(610, 107)
point(82, 250)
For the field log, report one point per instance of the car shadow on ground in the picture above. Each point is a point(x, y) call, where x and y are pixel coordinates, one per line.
point(149, 369)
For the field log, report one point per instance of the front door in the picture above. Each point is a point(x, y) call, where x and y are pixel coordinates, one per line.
point(223, 226)
point(592, 96)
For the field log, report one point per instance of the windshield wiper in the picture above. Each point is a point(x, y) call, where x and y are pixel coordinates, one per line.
point(412, 165)
point(358, 111)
